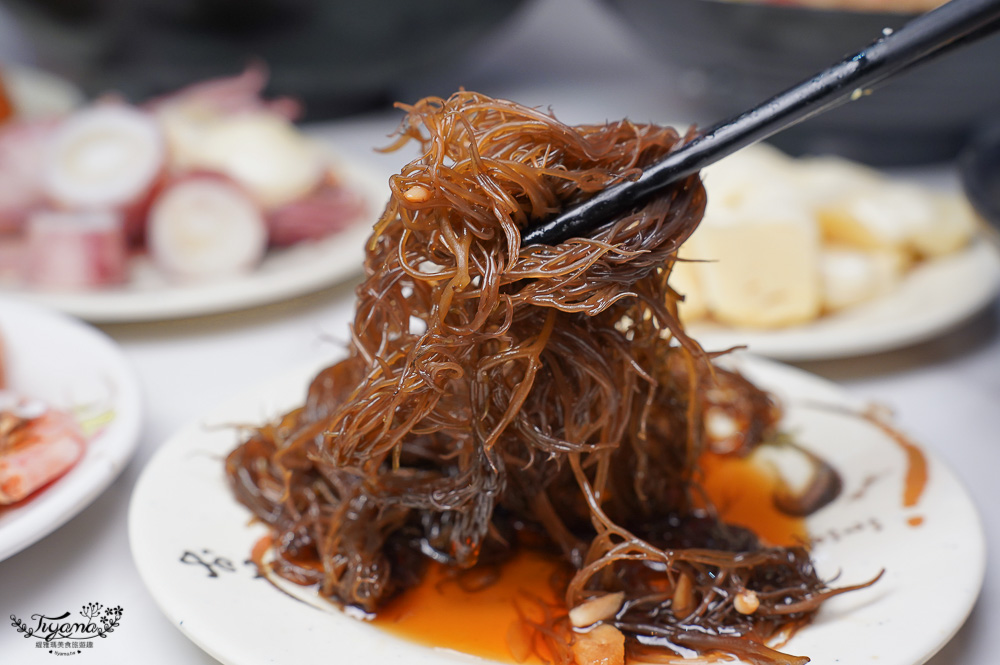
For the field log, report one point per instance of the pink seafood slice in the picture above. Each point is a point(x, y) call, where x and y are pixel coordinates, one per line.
point(231, 94)
point(37, 445)
point(328, 210)
point(206, 226)
point(13, 254)
point(23, 146)
point(75, 250)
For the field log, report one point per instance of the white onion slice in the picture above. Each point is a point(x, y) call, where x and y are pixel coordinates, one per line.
point(205, 227)
point(266, 154)
point(107, 156)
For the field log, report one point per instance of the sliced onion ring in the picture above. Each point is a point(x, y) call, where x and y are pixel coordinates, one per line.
point(205, 226)
point(108, 156)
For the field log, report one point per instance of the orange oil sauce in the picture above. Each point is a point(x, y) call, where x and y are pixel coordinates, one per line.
point(439, 612)
point(742, 493)
point(915, 481)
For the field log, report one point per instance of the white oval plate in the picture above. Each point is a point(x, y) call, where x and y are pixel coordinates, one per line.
point(191, 542)
point(931, 300)
point(284, 273)
point(72, 366)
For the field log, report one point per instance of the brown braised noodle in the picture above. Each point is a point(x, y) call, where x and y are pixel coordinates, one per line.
point(497, 396)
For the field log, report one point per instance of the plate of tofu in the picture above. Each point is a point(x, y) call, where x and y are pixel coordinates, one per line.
point(816, 258)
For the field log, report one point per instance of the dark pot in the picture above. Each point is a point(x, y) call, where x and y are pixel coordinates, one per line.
point(337, 56)
point(727, 57)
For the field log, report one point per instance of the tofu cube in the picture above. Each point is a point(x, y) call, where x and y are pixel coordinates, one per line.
point(764, 269)
point(853, 276)
point(684, 280)
point(954, 224)
point(899, 215)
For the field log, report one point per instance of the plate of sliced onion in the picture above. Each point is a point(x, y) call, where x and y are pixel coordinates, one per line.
point(282, 273)
point(900, 513)
point(209, 199)
point(70, 413)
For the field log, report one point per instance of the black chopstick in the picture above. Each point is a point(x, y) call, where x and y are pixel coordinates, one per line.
point(954, 24)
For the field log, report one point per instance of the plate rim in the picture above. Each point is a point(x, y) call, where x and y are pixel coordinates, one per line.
point(340, 257)
point(797, 343)
point(88, 480)
point(975, 567)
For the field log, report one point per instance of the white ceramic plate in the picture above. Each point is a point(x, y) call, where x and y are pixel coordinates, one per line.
point(37, 93)
point(284, 273)
point(196, 569)
point(72, 366)
point(933, 299)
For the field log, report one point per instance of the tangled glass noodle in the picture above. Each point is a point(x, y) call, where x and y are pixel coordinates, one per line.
point(496, 395)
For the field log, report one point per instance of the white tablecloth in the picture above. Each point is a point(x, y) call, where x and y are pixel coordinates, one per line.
point(945, 393)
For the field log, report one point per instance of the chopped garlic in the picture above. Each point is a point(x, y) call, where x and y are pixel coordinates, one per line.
point(417, 194)
point(683, 599)
point(746, 602)
point(596, 609)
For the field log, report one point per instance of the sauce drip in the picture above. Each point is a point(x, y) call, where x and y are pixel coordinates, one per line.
point(440, 613)
point(915, 480)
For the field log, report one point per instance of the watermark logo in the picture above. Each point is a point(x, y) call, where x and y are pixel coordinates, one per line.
point(65, 635)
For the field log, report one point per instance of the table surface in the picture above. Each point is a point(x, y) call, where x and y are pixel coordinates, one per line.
point(945, 393)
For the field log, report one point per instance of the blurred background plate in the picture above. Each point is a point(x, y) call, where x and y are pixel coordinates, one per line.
point(71, 366)
point(934, 298)
point(284, 273)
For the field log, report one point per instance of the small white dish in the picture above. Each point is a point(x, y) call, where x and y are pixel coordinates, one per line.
point(191, 543)
point(36, 93)
point(72, 366)
point(284, 273)
point(931, 300)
